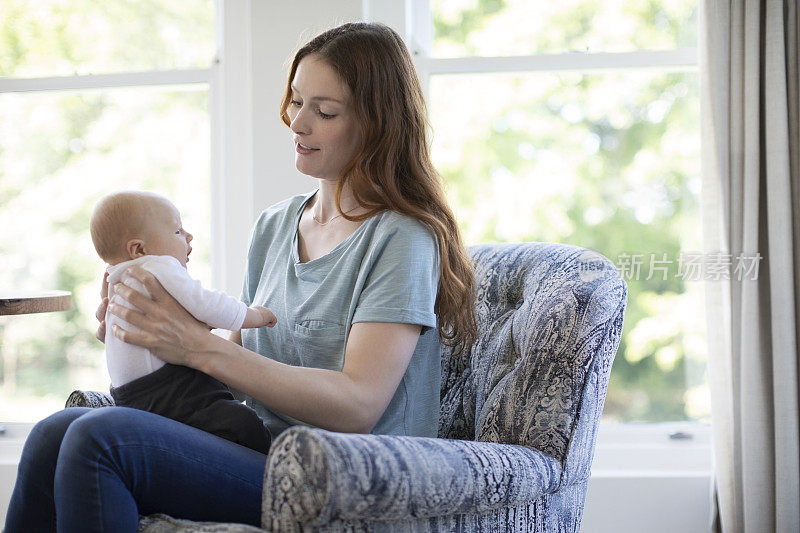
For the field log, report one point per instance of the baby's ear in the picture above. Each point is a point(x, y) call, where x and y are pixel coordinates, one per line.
point(135, 248)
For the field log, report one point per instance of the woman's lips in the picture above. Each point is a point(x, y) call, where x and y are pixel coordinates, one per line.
point(304, 150)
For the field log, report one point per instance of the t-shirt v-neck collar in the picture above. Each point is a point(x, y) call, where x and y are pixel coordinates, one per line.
point(328, 257)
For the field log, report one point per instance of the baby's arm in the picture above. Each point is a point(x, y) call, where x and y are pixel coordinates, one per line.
point(211, 307)
point(258, 317)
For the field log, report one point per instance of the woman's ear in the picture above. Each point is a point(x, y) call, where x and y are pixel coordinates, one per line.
point(135, 248)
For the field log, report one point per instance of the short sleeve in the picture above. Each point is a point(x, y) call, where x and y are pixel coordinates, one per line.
point(403, 279)
point(257, 249)
point(247, 285)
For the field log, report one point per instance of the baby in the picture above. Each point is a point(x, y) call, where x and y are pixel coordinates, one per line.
point(141, 228)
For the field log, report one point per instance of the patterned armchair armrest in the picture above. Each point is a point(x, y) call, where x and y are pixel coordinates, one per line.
point(316, 477)
point(81, 398)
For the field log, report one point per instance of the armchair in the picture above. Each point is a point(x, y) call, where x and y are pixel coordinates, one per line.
point(518, 422)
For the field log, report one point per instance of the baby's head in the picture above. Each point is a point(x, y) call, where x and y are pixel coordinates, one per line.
point(130, 224)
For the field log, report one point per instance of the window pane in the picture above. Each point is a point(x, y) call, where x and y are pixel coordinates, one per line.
point(57, 38)
point(604, 161)
point(523, 27)
point(59, 153)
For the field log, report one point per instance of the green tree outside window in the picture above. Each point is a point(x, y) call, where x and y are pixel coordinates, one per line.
point(607, 161)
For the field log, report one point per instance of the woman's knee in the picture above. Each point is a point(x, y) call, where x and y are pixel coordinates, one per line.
point(96, 430)
point(47, 435)
point(106, 429)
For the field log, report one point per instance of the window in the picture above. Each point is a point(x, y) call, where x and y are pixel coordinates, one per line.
point(578, 122)
point(94, 97)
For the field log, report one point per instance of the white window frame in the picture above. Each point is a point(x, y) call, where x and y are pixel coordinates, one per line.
point(116, 80)
point(230, 126)
point(231, 101)
point(417, 23)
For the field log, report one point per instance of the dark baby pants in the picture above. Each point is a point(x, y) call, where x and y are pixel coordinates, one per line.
point(198, 400)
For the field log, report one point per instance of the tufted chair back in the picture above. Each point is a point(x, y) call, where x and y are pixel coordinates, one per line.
point(549, 321)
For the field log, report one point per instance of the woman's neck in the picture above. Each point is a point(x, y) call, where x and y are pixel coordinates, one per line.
point(324, 207)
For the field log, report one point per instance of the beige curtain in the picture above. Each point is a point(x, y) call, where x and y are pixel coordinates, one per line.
point(751, 205)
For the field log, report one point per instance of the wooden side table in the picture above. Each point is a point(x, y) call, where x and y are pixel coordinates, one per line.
point(27, 302)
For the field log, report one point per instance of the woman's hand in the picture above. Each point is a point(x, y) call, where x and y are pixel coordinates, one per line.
point(167, 329)
point(101, 310)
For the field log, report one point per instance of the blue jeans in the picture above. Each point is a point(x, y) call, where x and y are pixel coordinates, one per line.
point(99, 469)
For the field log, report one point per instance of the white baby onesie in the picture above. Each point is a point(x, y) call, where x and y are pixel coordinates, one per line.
point(127, 362)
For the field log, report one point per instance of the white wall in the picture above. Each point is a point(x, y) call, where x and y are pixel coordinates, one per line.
point(274, 175)
point(254, 157)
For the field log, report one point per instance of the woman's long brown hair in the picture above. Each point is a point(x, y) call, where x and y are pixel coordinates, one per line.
point(392, 169)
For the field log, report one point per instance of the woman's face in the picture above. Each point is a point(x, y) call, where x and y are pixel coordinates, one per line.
point(323, 120)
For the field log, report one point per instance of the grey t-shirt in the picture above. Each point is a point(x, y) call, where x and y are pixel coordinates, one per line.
point(386, 271)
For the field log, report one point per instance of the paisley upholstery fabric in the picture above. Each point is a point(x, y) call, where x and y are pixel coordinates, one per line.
point(80, 398)
point(550, 318)
point(318, 477)
point(518, 422)
point(160, 523)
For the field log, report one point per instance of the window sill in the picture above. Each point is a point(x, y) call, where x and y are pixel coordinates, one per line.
point(644, 481)
point(11, 442)
point(636, 448)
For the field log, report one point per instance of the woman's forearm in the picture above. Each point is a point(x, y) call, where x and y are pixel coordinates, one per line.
point(323, 398)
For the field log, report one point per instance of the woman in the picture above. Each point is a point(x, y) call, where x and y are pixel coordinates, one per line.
point(362, 274)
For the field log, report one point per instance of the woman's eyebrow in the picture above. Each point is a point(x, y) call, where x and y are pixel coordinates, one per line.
point(320, 98)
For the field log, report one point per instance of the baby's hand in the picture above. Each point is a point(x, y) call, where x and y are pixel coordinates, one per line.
point(265, 317)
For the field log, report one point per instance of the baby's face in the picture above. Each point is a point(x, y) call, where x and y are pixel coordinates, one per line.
point(165, 233)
